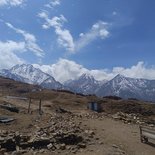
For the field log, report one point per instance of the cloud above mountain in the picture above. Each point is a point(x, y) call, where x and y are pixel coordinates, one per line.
point(9, 51)
point(30, 41)
point(65, 70)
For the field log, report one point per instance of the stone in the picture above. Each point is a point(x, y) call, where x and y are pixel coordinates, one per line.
point(73, 151)
point(2, 151)
point(63, 146)
point(16, 153)
point(49, 146)
point(2, 139)
point(82, 145)
point(91, 132)
point(68, 147)
point(151, 125)
point(41, 151)
point(114, 146)
point(101, 143)
point(35, 153)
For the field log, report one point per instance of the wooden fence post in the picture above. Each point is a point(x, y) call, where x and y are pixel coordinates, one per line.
point(40, 107)
point(29, 105)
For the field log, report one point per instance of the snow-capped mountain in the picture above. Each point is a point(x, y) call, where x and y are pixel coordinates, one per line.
point(33, 75)
point(124, 87)
point(85, 84)
point(8, 74)
point(128, 88)
point(50, 83)
point(28, 74)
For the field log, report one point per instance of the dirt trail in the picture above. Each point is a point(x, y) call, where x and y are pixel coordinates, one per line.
point(117, 138)
point(111, 137)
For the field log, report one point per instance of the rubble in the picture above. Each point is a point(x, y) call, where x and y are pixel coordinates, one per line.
point(9, 107)
point(94, 115)
point(128, 118)
point(61, 110)
point(60, 134)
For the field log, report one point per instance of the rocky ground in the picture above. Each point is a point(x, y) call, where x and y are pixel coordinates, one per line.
point(56, 134)
point(67, 127)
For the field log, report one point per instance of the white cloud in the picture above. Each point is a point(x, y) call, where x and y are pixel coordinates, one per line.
point(30, 41)
point(114, 13)
point(12, 2)
point(137, 71)
point(8, 52)
point(65, 38)
point(65, 70)
point(53, 3)
point(99, 29)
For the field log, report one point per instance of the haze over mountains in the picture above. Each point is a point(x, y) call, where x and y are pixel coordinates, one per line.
point(86, 84)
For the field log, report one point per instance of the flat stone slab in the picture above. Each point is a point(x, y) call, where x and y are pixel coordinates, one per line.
point(4, 119)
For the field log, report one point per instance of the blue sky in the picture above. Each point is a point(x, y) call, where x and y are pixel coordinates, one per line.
point(96, 34)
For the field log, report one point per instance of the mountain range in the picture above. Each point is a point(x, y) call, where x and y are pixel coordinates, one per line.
point(120, 85)
point(28, 74)
point(85, 84)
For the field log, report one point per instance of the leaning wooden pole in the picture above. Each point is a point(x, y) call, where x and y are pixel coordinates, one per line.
point(40, 107)
point(141, 133)
point(29, 105)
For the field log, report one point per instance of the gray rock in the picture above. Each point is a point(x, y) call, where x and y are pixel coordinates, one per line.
point(49, 146)
point(82, 145)
point(63, 146)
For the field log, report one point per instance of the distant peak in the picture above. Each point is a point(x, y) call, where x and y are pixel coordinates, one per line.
point(87, 76)
point(22, 65)
point(26, 65)
point(119, 76)
point(24, 68)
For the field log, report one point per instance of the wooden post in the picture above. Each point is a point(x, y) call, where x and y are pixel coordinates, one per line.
point(141, 134)
point(29, 105)
point(40, 107)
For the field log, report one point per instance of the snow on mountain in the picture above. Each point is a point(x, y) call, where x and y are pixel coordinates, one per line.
point(28, 74)
point(33, 75)
point(122, 86)
point(85, 84)
point(6, 73)
point(50, 83)
point(128, 88)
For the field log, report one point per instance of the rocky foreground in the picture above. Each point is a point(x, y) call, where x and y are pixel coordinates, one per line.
point(60, 133)
point(63, 132)
point(65, 126)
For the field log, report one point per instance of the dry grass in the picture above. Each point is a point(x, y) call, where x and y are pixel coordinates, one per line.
point(71, 101)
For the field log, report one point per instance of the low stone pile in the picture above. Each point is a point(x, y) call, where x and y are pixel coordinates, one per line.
point(93, 115)
point(60, 133)
point(127, 118)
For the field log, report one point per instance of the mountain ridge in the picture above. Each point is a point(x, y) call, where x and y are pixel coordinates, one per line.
point(29, 74)
point(86, 84)
point(126, 87)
